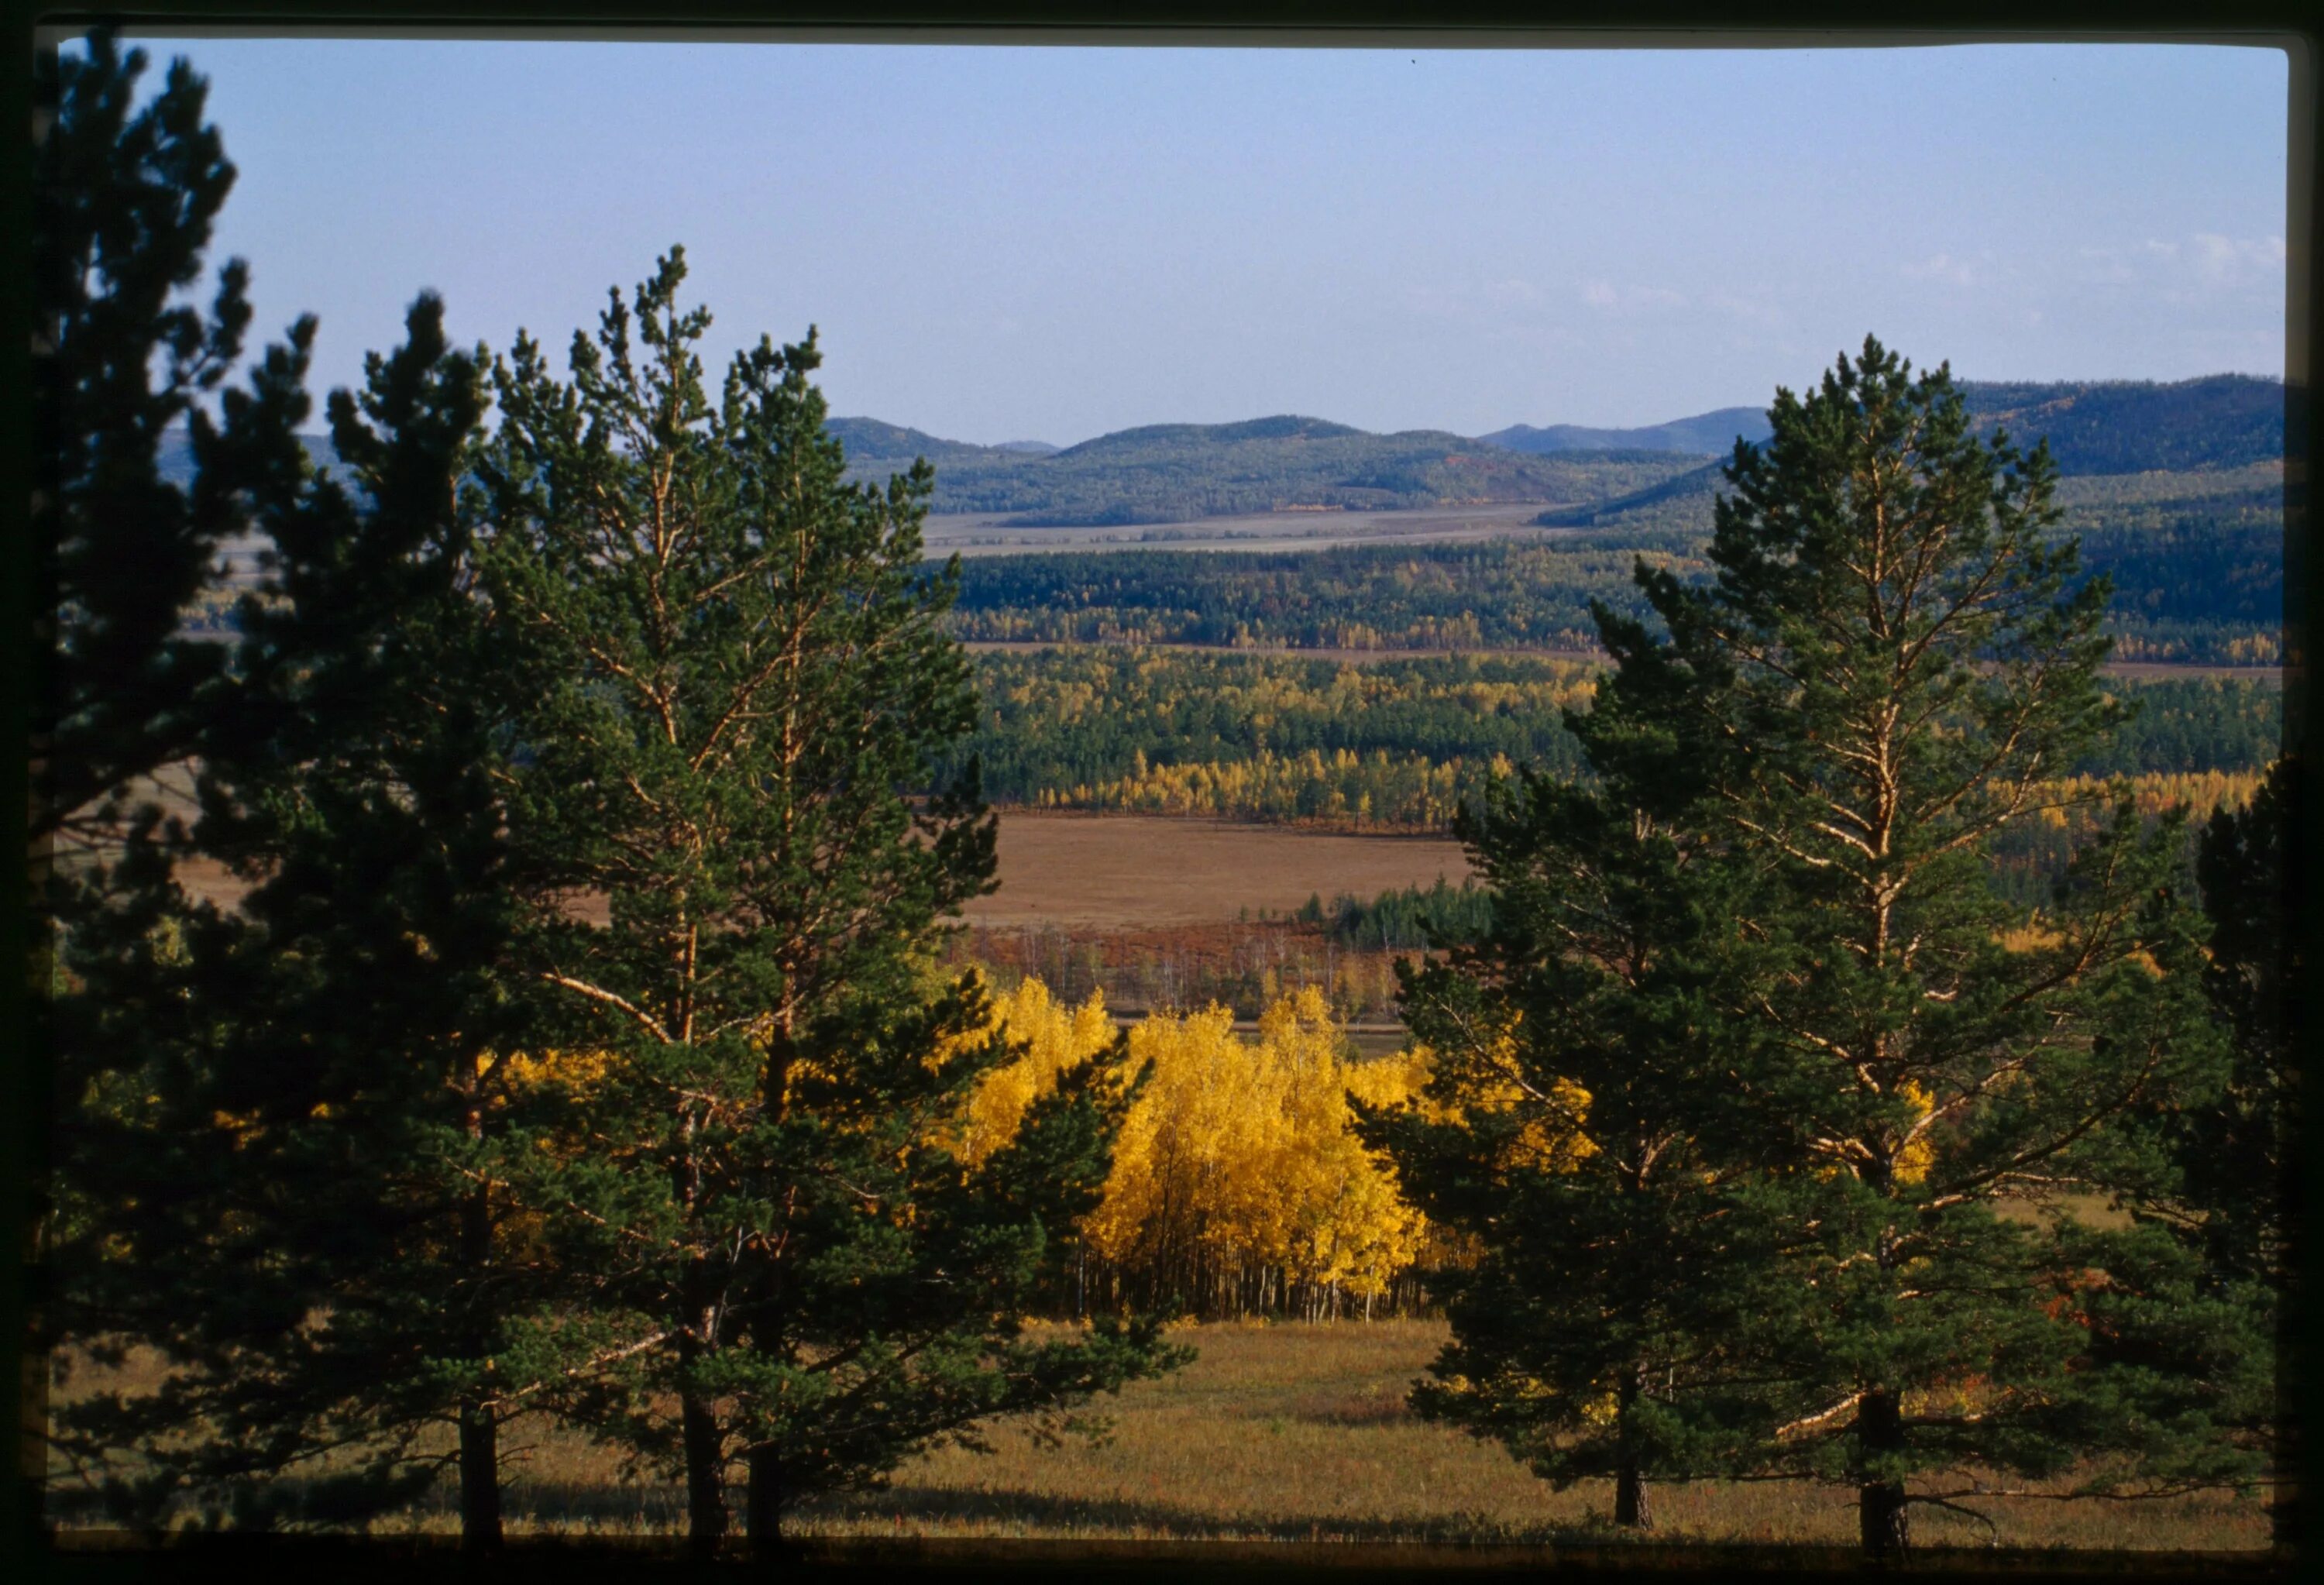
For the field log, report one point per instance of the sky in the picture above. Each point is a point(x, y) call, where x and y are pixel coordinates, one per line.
point(1001, 242)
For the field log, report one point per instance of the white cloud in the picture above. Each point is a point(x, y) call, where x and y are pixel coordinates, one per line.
point(1748, 310)
point(1952, 270)
point(2228, 260)
point(1606, 296)
point(2202, 263)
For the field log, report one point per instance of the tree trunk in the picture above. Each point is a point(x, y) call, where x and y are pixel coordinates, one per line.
point(480, 1479)
point(1629, 1477)
point(1880, 1504)
point(762, 1508)
point(705, 1476)
point(479, 1430)
point(1630, 1507)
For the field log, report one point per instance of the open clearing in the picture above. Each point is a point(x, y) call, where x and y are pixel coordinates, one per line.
point(1144, 869)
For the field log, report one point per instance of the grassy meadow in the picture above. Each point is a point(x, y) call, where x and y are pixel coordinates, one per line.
point(1288, 1432)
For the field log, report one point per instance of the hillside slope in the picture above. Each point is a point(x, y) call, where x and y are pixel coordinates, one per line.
point(1177, 473)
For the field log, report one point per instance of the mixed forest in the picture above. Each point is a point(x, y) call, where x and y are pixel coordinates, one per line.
point(1858, 1057)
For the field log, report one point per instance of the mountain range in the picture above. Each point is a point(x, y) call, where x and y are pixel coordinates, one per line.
point(1171, 472)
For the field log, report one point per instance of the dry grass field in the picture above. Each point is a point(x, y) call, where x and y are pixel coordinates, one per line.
point(1124, 871)
point(1133, 870)
point(970, 534)
point(1293, 1433)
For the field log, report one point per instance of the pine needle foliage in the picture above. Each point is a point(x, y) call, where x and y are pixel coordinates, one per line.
point(296, 1212)
point(124, 199)
point(737, 673)
point(1888, 671)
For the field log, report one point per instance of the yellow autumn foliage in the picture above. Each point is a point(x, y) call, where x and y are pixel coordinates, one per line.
point(1239, 1151)
point(2151, 792)
point(1913, 1161)
point(1552, 1134)
point(527, 1072)
point(1055, 1038)
point(1244, 1150)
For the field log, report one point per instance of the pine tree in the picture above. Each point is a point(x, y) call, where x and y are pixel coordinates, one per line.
point(1583, 1125)
point(737, 680)
point(1892, 660)
point(307, 1177)
point(125, 198)
point(2204, 1280)
point(2241, 1168)
point(2237, 1152)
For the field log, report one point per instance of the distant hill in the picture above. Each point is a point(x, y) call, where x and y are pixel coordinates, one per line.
point(1707, 434)
point(2215, 426)
point(870, 437)
point(2136, 427)
point(2093, 426)
point(1177, 473)
point(1660, 475)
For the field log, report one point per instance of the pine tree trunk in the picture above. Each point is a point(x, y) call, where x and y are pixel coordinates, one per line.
point(763, 1507)
point(1880, 1504)
point(705, 1447)
point(1630, 1507)
point(479, 1430)
point(480, 1479)
point(705, 1476)
point(1630, 1479)
point(33, 1417)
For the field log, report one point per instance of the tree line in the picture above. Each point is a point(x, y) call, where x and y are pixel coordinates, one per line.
point(1404, 743)
point(2197, 580)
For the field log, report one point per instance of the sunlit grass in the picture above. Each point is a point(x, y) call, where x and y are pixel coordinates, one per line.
point(1291, 1432)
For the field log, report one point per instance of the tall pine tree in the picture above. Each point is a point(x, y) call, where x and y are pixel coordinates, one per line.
point(125, 198)
point(1887, 1088)
point(2212, 1251)
point(1582, 1124)
point(1892, 661)
point(739, 682)
point(289, 1193)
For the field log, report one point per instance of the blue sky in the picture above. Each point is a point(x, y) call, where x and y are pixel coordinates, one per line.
point(1019, 242)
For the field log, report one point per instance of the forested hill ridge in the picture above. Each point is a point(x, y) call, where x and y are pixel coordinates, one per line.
point(1170, 473)
point(1664, 473)
point(1176, 472)
point(2093, 426)
point(2224, 432)
point(1705, 435)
